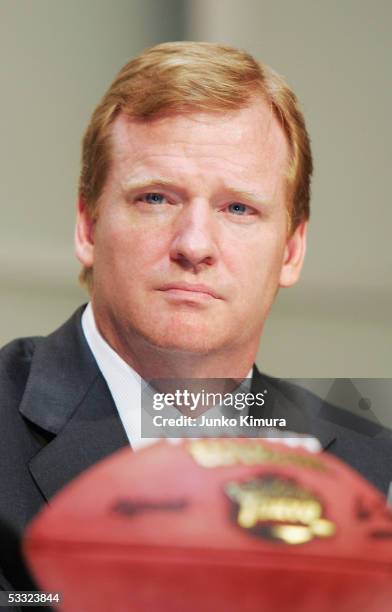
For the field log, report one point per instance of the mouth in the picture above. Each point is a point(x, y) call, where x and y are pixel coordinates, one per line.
point(189, 290)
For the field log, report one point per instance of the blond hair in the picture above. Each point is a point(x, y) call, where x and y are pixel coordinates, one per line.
point(184, 77)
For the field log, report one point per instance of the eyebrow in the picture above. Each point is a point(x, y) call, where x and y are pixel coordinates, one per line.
point(151, 183)
point(234, 194)
point(249, 196)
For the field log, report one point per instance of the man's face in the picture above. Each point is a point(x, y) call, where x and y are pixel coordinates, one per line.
point(191, 241)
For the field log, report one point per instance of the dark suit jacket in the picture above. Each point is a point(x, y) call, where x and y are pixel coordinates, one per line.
point(58, 418)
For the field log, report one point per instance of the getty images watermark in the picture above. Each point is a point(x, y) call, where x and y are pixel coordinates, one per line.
point(197, 408)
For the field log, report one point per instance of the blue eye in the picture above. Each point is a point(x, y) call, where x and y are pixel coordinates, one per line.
point(239, 209)
point(153, 198)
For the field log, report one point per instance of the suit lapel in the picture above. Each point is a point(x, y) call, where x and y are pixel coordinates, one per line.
point(67, 397)
point(93, 432)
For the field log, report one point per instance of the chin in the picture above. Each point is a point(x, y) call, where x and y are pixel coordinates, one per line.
point(187, 337)
point(184, 343)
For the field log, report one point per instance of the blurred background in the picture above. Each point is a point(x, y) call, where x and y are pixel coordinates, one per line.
point(58, 59)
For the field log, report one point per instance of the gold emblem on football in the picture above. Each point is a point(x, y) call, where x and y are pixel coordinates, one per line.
point(276, 508)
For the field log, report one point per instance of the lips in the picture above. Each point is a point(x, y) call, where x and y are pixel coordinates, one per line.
point(190, 288)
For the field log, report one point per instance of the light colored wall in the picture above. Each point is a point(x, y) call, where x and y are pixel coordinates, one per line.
point(337, 56)
point(57, 60)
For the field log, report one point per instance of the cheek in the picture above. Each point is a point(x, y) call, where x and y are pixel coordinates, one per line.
point(129, 250)
point(255, 262)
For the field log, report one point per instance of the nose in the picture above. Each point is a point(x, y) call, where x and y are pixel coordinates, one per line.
point(194, 241)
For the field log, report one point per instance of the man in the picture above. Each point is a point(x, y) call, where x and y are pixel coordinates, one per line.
point(192, 213)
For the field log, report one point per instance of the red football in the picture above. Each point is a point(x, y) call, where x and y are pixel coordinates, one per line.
point(216, 525)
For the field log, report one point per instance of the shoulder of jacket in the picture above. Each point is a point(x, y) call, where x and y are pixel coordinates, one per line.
point(15, 361)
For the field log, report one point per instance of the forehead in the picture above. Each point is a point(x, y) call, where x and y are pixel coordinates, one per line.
point(247, 140)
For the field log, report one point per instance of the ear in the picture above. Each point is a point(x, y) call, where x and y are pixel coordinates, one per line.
point(84, 235)
point(294, 255)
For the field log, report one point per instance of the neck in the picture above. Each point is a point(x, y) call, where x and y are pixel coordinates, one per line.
point(153, 362)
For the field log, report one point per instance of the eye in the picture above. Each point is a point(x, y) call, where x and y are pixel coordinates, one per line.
point(236, 208)
point(153, 198)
